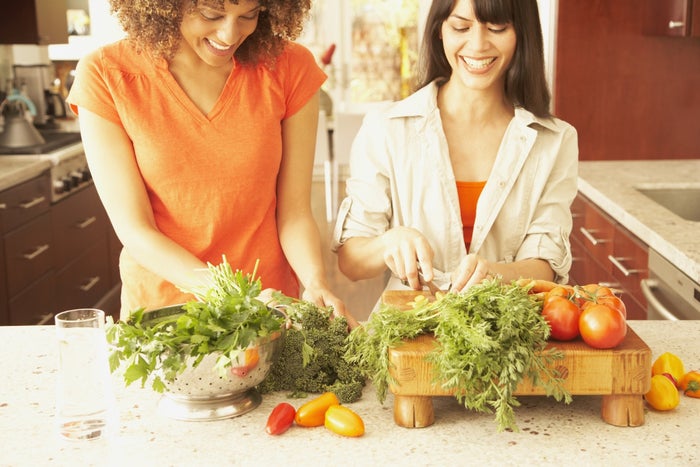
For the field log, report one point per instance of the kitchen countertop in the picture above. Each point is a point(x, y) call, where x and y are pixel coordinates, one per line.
point(551, 433)
point(611, 186)
point(15, 171)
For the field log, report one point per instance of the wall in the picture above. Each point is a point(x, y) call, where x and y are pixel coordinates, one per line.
point(629, 96)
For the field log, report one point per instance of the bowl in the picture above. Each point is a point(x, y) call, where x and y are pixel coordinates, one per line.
point(203, 393)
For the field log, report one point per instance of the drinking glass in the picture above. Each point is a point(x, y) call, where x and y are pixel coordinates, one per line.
point(85, 403)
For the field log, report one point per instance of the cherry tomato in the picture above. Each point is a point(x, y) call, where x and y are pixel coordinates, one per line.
point(602, 327)
point(562, 315)
point(669, 363)
point(280, 419)
point(343, 421)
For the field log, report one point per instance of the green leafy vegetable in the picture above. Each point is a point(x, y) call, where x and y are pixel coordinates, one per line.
point(488, 339)
point(228, 318)
point(311, 359)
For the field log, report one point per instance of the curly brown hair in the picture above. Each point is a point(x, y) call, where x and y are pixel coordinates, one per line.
point(154, 25)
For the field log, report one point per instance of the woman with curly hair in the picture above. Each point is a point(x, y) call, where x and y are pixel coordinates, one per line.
point(199, 130)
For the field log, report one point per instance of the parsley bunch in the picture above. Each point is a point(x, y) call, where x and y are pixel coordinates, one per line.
point(488, 339)
point(226, 318)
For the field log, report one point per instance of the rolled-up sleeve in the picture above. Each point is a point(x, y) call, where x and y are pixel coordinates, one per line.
point(548, 234)
point(366, 211)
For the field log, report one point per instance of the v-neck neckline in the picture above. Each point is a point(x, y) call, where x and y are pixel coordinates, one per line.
point(184, 99)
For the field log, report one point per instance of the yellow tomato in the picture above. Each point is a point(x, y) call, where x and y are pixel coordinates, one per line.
point(668, 363)
point(663, 394)
point(313, 413)
point(343, 421)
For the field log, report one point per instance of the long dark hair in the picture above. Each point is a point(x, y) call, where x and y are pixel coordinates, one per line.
point(525, 83)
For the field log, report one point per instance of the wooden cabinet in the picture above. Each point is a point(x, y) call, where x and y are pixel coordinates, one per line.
point(678, 18)
point(606, 253)
point(27, 244)
point(34, 22)
point(54, 257)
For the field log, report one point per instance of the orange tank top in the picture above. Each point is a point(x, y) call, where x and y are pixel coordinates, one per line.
point(468, 193)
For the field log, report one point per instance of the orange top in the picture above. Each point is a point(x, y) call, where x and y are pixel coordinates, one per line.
point(468, 193)
point(211, 179)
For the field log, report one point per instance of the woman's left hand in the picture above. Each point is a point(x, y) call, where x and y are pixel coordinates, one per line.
point(471, 270)
point(324, 297)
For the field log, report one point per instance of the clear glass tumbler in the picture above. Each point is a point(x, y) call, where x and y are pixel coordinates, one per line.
point(85, 403)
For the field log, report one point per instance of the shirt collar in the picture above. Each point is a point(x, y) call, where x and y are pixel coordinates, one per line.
point(424, 102)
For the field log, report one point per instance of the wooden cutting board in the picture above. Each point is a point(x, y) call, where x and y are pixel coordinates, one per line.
point(621, 375)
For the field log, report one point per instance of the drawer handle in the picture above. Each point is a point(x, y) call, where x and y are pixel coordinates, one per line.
point(621, 267)
point(86, 222)
point(39, 250)
point(591, 238)
point(675, 24)
point(93, 281)
point(33, 202)
point(648, 286)
point(3, 206)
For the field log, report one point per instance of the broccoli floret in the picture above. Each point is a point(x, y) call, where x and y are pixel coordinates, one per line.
point(312, 356)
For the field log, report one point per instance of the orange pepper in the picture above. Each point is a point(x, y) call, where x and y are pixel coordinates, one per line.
point(663, 394)
point(343, 421)
point(668, 363)
point(313, 413)
point(690, 384)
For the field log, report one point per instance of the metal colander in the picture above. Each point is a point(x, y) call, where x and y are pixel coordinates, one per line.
point(201, 393)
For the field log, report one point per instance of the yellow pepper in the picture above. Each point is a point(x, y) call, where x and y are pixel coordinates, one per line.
point(668, 363)
point(663, 394)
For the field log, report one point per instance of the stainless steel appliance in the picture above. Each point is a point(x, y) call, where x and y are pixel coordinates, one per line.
point(670, 293)
point(69, 169)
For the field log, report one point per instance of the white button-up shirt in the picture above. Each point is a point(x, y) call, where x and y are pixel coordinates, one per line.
point(401, 175)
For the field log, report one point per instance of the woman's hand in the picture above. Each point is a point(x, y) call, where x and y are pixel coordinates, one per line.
point(471, 270)
point(406, 249)
point(321, 296)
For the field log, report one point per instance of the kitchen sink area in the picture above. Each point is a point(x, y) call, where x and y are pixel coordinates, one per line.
point(682, 201)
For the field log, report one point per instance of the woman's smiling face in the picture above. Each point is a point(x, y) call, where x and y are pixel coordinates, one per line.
point(479, 53)
point(215, 32)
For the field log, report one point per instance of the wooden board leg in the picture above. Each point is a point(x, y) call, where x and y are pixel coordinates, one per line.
point(623, 409)
point(413, 411)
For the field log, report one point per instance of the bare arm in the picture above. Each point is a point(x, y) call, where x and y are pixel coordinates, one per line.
point(118, 181)
point(298, 231)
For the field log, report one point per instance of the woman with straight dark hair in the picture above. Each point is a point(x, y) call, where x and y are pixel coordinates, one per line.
point(471, 176)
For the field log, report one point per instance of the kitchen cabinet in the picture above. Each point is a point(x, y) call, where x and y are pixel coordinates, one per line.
point(676, 18)
point(27, 243)
point(40, 22)
point(605, 252)
point(54, 257)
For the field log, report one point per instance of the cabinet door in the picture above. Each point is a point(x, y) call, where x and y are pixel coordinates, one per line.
point(630, 261)
point(24, 202)
point(36, 304)
point(667, 18)
point(695, 19)
point(28, 253)
point(84, 282)
point(4, 317)
point(34, 22)
point(79, 222)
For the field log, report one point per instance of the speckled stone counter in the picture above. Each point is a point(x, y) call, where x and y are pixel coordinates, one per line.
point(612, 185)
point(551, 433)
point(15, 171)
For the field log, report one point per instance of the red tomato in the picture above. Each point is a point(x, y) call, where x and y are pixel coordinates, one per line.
point(562, 315)
point(281, 418)
point(602, 327)
point(614, 302)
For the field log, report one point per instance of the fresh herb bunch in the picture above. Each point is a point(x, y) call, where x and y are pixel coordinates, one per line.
point(227, 319)
point(488, 339)
point(312, 356)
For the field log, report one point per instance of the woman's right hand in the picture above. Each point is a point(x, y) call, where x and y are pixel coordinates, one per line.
point(405, 250)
